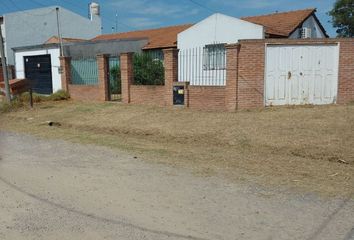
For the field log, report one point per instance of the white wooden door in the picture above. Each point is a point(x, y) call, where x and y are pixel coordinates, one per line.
point(305, 74)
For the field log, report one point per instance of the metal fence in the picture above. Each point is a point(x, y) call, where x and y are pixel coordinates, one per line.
point(204, 66)
point(84, 71)
point(115, 83)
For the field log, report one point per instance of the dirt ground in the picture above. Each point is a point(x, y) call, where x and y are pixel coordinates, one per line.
point(53, 189)
point(302, 149)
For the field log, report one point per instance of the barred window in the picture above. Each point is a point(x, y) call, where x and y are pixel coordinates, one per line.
point(214, 57)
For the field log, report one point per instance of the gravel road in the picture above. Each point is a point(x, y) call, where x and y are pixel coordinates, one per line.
point(52, 189)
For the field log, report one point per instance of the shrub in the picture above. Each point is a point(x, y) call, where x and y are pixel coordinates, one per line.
point(147, 70)
point(115, 80)
point(59, 96)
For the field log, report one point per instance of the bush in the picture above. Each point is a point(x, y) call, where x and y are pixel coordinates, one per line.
point(115, 81)
point(59, 96)
point(147, 70)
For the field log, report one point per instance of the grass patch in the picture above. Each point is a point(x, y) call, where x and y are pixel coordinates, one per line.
point(9, 107)
point(303, 148)
point(37, 98)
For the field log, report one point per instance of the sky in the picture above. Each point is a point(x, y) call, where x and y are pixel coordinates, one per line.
point(141, 14)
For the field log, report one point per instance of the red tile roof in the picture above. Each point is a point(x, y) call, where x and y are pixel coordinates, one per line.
point(55, 39)
point(283, 23)
point(277, 24)
point(158, 38)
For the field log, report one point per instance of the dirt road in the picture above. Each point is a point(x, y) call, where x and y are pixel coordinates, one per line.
point(51, 189)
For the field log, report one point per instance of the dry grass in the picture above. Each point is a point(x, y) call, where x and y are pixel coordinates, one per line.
point(307, 148)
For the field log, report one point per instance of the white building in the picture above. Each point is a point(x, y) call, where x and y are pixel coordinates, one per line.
point(202, 55)
point(35, 26)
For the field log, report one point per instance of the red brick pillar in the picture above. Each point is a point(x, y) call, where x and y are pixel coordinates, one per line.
point(346, 72)
point(65, 65)
point(102, 64)
point(127, 75)
point(232, 51)
point(171, 73)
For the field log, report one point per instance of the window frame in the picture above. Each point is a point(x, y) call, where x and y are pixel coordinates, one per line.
point(214, 57)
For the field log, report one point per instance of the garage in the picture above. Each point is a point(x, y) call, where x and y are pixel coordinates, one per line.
point(301, 74)
point(38, 70)
point(40, 64)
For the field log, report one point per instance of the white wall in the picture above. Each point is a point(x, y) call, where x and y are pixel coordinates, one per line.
point(54, 58)
point(217, 28)
point(316, 31)
point(36, 26)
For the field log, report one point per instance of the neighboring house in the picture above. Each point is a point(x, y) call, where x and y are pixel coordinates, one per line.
point(158, 39)
point(293, 24)
point(202, 58)
point(32, 27)
point(40, 63)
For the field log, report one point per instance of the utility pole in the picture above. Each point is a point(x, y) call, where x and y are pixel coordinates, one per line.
point(59, 33)
point(4, 67)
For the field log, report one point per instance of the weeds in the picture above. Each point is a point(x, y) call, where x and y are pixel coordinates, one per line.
point(24, 98)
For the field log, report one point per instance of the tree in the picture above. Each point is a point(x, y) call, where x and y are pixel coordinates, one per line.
point(343, 17)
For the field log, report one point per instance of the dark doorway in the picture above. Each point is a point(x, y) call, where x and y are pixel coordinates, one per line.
point(38, 70)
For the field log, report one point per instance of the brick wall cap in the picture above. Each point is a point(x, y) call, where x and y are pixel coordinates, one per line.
point(127, 54)
point(102, 55)
point(170, 50)
point(233, 45)
point(297, 41)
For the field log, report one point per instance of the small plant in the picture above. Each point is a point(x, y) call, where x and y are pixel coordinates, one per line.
point(59, 96)
point(115, 81)
point(147, 70)
point(25, 97)
point(9, 107)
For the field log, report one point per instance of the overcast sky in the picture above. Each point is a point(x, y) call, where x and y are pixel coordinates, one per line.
point(139, 14)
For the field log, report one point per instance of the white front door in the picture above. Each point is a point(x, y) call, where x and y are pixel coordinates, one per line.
point(305, 74)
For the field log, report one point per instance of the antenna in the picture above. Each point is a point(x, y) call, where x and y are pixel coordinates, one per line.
point(116, 21)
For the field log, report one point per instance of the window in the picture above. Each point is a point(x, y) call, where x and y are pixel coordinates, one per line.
point(214, 57)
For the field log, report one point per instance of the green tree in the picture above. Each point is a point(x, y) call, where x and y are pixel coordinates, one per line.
point(343, 17)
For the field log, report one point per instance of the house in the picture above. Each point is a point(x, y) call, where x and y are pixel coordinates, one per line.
point(293, 24)
point(202, 58)
point(157, 39)
point(41, 65)
point(32, 27)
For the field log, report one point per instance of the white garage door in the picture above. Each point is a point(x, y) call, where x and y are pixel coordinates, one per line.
point(305, 74)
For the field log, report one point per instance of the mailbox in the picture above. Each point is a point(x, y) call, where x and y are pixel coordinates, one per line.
point(178, 95)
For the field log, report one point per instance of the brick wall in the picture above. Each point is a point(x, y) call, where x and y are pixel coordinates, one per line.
point(86, 92)
point(346, 72)
point(250, 92)
point(206, 97)
point(244, 78)
point(149, 95)
point(250, 89)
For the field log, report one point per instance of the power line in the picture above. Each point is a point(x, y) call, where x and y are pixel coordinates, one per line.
point(106, 18)
point(202, 6)
point(28, 13)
